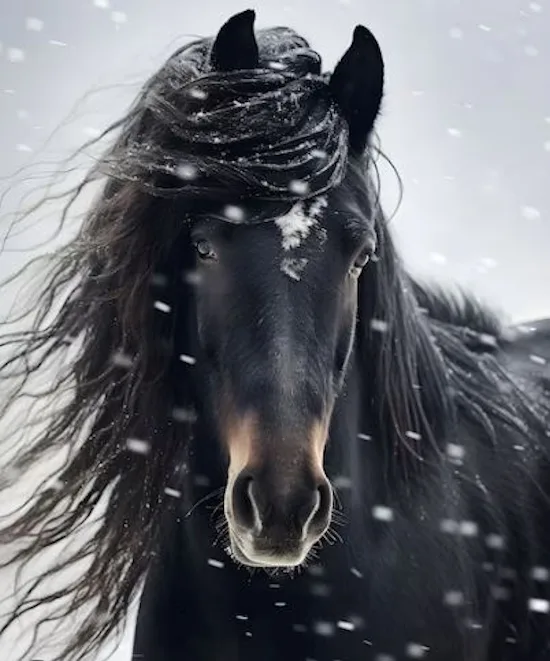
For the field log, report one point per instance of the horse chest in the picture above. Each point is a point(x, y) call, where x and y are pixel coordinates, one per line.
point(329, 612)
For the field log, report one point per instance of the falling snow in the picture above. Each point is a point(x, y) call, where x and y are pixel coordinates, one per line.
point(539, 605)
point(495, 541)
point(215, 563)
point(438, 258)
point(234, 213)
point(378, 325)
point(184, 415)
point(119, 17)
point(530, 213)
point(92, 132)
point(162, 306)
point(34, 24)
point(541, 574)
point(186, 171)
point(138, 446)
point(121, 359)
point(323, 628)
point(382, 513)
point(298, 187)
point(453, 598)
point(173, 493)
point(416, 651)
point(455, 451)
point(15, 55)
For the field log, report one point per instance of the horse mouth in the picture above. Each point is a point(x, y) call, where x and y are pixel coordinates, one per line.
point(251, 553)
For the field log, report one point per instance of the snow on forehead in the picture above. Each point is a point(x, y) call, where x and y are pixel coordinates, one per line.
point(296, 225)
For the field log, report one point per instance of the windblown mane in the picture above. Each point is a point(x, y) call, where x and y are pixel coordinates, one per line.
point(192, 136)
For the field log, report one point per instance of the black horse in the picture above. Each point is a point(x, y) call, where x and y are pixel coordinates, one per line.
point(308, 454)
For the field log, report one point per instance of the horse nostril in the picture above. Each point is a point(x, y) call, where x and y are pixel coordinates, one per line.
point(243, 507)
point(320, 518)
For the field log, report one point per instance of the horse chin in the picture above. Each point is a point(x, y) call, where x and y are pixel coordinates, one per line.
point(244, 553)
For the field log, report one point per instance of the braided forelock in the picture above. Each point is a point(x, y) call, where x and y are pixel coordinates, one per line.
point(258, 138)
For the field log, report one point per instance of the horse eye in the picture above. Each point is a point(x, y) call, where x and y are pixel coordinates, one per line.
point(360, 262)
point(204, 249)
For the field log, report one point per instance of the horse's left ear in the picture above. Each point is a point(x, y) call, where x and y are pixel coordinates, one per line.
point(357, 85)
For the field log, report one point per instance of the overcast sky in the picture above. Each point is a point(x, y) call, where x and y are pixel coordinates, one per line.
point(466, 117)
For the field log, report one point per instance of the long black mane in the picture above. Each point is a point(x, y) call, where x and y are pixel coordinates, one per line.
point(423, 375)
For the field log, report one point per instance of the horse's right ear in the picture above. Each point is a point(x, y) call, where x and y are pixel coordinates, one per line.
point(357, 85)
point(235, 46)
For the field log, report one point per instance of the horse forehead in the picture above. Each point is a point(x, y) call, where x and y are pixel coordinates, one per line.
point(302, 226)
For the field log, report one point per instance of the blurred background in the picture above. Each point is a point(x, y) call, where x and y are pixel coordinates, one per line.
point(466, 118)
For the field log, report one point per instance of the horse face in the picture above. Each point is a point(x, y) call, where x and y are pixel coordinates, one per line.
point(276, 309)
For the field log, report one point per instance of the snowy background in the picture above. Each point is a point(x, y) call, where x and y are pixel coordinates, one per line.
point(466, 118)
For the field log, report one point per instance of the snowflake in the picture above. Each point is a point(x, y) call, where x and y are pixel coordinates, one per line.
point(173, 493)
point(453, 598)
point(138, 446)
point(539, 605)
point(378, 325)
point(416, 651)
point(382, 513)
point(540, 574)
point(184, 415)
point(16, 55)
point(438, 258)
point(298, 187)
point(215, 563)
point(91, 131)
point(34, 24)
point(455, 451)
point(530, 213)
point(495, 541)
point(186, 171)
point(161, 306)
point(234, 213)
point(119, 17)
point(323, 628)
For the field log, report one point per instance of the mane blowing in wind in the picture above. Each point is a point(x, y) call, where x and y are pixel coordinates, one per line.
point(193, 135)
